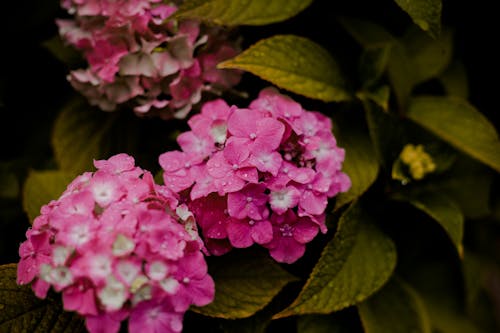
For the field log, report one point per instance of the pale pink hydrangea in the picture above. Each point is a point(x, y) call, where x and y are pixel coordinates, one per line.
point(136, 57)
point(257, 175)
point(117, 246)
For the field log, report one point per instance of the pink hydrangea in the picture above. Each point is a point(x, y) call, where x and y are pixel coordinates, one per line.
point(117, 246)
point(257, 175)
point(137, 57)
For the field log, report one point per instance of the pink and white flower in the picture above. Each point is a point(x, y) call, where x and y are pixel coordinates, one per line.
point(138, 58)
point(258, 175)
point(115, 247)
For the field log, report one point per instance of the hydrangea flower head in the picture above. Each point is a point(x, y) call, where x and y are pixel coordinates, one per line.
point(136, 57)
point(257, 175)
point(117, 246)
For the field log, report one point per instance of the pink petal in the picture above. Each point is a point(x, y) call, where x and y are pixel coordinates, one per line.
point(243, 123)
point(269, 134)
point(314, 204)
point(287, 250)
point(217, 166)
point(262, 232)
point(304, 230)
point(239, 234)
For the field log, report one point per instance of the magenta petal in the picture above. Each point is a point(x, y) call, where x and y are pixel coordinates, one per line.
point(218, 247)
point(267, 161)
point(236, 152)
point(179, 180)
point(194, 265)
point(313, 204)
point(243, 122)
point(104, 323)
point(236, 204)
point(262, 232)
point(269, 134)
point(238, 233)
point(197, 147)
point(302, 175)
point(81, 301)
point(305, 230)
point(248, 174)
point(152, 317)
point(217, 166)
point(172, 160)
point(202, 291)
point(41, 288)
point(27, 269)
point(216, 230)
point(288, 250)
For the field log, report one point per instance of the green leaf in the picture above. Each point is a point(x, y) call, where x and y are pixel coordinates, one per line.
point(465, 177)
point(83, 133)
point(460, 124)
point(241, 12)
point(395, 308)
point(22, 311)
point(430, 56)
point(436, 283)
point(360, 162)
point(245, 283)
point(454, 80)
point(425, 13)
point(293, 63)
point(41, 187)
point(379, 96)
point(355, 264)
point(373, 64)
point(442, 209)
point(64, 53)
point(366, 33)
point(400, 68)
point(79, 136)
point(386, 133)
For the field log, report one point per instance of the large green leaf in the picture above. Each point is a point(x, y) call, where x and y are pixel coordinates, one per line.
point(395, 308)
point(430, 56)
point(454, 80)
point(355, 264)
point(41, 187)
point(82, 133)
point(360, 162)
point(244, 284)
point(460, 124)
point(425, 13)
point(441, 291)
point(465, 177)
point(241, 12)
point(442, 209)
point(373, 64)
point(386, 132)
point(400, 68)
point(366, 33)
point(22, 311)
point(293, 63)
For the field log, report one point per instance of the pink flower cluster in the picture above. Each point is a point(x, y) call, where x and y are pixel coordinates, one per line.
point(136, 57)
point(261, 174)
point(118, 246)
